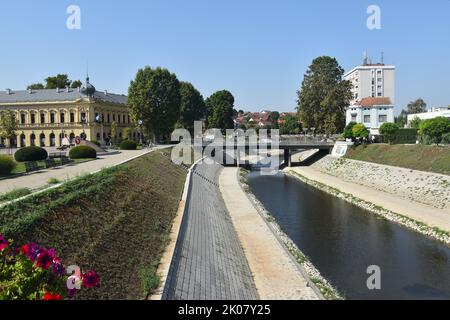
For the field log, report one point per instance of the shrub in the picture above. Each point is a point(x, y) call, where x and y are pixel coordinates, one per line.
point(435, 128)
point(95, 142)
point(360, 131)
point(389, 130)
point(446, 138)
point(348, 131)
point(83, 152)
point(402, 136)
point(30, 154)
point(7, 164)
point(128, 145)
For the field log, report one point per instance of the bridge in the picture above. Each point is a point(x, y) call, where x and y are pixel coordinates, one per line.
point(288, 144)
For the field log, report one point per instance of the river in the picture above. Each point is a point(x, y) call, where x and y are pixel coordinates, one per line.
point(343, 240)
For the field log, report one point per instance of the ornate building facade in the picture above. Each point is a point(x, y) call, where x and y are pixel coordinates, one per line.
point(46, 116)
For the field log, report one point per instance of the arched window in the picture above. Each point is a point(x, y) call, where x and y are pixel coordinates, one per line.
point(61, 137)
point(42, 140)
point(72, 138)
point(13, 142)
point(22, 141)
point(52, 140)
point(33, 139)
point(98, 136)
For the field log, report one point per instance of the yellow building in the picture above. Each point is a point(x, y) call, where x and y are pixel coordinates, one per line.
point(46, 116)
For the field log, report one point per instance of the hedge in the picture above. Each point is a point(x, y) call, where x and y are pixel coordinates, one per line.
point(403, 136)
point(128, 145)
point(30, 154)
point(7, 164)
point(95, 142)
point(83, 152)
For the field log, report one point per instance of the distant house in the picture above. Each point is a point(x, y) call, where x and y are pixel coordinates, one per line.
point(432, 113)
point(372, 112)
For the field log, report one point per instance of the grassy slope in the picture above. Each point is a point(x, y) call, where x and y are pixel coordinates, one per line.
point(417, 157)
point(115, 222)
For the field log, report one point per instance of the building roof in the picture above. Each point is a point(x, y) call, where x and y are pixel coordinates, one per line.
point(46, 95)
point(377, 101)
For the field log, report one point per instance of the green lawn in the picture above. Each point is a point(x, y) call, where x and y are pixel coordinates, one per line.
point(417, 157)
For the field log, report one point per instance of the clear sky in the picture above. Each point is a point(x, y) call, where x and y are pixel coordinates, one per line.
point(257, 49)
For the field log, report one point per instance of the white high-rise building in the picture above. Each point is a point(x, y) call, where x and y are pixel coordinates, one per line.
point(373, 88)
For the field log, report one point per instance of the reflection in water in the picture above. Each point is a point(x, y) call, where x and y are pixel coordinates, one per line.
point(343, 240)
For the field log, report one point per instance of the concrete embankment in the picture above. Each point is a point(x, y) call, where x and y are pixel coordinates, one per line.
point(421, 196)
point(275, 274)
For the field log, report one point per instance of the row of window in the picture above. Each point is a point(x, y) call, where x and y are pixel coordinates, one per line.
point(71, 119)
point(120, 119)
point(367, 118)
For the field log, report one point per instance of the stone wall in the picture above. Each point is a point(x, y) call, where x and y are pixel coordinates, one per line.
point(424, 187)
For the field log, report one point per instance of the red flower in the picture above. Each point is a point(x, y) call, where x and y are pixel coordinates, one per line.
point(90, 279)
point(3, 243)
point(51, 296)
point(44, 260)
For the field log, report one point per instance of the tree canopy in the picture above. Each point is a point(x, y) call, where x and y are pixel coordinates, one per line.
point(8, 124)
point(291, 125)
point(192, 106)
point(323, 96)
point(417, 106)
point(58, 81)
point(435, 128)
point(154, 97)
point(389, 130)
point(360, 131)
point(219, 108)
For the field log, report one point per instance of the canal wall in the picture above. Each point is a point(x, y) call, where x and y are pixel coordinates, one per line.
point(423, 187)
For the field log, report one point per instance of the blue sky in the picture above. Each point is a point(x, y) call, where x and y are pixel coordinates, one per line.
point(257, 49)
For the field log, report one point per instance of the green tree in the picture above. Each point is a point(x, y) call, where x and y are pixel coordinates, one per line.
point(76, 84)
point(219, 108)
point(36, 86)
point(360, 131)
point(154, 98)
point(8, 124)
point(291, 125)
point(114, 126)
point(192, 106)
point(402, 119)
point(274, 117)
point(59, 81)
point(417, 106)
point(348, 131)
point(435, 128)
point(323, 96)
point(415, 123)
point(389, 130)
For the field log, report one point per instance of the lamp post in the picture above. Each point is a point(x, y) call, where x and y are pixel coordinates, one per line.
point(140, 122)
point(99, 120)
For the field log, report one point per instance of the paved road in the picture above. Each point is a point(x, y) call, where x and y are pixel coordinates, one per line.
point(209, 262)
point(39, 179)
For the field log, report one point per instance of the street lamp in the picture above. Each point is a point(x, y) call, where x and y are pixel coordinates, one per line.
point(140, 122)
point(99, 119)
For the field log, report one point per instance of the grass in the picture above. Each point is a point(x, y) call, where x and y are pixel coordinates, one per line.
point(53, 181)
point(115, 222)
point(417, 157)
point(14, 194)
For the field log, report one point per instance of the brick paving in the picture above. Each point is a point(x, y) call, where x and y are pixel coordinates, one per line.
point(209, 262)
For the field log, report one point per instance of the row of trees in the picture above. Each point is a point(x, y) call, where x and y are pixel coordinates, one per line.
point(417, 106)
point(58, 81)
point(162, 103)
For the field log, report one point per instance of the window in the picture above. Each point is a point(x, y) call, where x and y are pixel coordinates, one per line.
point(380, 80)
point(83, 117)
point(129, 119)
point(382, 118)
point(62, 117)
point(109, 118)
point(33, 118)
point(52, 117)
point(366, 119)
point(72, 117)
point(123, 118)
point(114, 117)
point(380, 94)
point(354, 115)
point(118, 118)
point(42, 117)
point(22, 118)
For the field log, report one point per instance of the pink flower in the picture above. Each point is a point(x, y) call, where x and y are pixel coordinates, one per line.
point(90, 279)
point(44, 259)
point(3, 242)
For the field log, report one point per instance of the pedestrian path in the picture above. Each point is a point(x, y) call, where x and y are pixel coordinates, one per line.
point(209, 262)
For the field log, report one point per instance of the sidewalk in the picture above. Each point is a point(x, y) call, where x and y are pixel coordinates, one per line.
point(276, 276)
point(39, 179)
point(429, 215)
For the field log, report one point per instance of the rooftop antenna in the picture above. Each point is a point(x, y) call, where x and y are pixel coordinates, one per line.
point(382, 57)
point(366, 58)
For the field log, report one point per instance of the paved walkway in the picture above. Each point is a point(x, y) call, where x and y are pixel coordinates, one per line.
point(277, 276)
point(39, 179)
point(208, 263)
point(431, 216)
